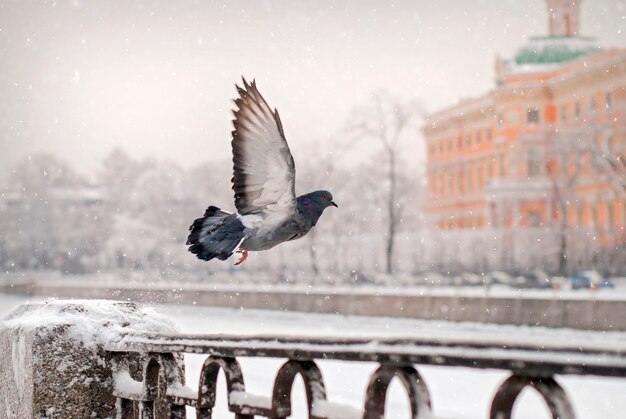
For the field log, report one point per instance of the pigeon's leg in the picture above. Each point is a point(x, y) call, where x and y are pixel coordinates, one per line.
point(243, 257)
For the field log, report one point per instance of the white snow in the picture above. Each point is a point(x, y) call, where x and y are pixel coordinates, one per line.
point(18, 357)
point(124, 384)
point(105, 324)
point(177, 390)
point(460, 393)
point(241, 398)
point(225, 283)
point(333, 410)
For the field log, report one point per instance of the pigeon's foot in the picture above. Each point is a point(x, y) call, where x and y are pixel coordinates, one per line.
point(243, 257)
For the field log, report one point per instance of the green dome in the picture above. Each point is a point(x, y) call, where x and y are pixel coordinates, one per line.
point(555, 50)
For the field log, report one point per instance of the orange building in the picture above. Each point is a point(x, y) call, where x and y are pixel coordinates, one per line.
point(549, 139)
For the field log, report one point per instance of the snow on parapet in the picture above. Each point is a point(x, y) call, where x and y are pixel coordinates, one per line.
point(92, 322)
point(242, 398)
point(52, 356)
point(328, 409)
point(126, 386)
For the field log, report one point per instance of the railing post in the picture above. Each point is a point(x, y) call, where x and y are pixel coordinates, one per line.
point(553, 394)
point(376, 393)
point(313, 385)
point(55, 352)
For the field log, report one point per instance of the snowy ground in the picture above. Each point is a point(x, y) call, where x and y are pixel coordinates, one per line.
point(245, 282)
point(456, 392)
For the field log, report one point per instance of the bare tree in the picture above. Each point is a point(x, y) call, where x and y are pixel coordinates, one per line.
point(54, 216)
point(567, 154)
point(564, 178)
point(387, 121)
point(609, 159)
point(318, 169)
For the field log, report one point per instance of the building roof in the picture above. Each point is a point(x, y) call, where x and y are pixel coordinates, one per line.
point(547, 51)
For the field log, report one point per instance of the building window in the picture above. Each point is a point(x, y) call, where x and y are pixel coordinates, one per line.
point(459, 143)
point(608, 100)
point(483, 173)
point(570, 214)
point(468, 140)
point(453, 184)
point(592, 104)
point(577, 110)
point(488, 134)
point(563, 113)
point(441, 187)
point(478, 137)
point(612, 143)
point(500, 119)
point(450, 145)
point(534, 219)
point(532, 116)
point(534, 162)
point(581, 214)
point(595, 214)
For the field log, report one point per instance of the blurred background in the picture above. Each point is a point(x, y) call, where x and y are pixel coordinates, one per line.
point(466, 143)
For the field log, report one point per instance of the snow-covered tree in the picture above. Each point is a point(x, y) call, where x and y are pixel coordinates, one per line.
point(387, 121)
point(52, 216)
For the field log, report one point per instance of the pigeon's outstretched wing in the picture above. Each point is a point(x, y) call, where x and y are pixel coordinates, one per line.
point(264, 171)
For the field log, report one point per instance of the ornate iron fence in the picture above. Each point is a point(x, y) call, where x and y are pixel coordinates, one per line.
point(161, 391)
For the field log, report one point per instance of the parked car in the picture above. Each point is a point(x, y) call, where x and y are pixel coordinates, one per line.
point(499, 277)
point(580, 281)
point(359, 278)
point(472, 279)
point(590, 279)
point(534, 279)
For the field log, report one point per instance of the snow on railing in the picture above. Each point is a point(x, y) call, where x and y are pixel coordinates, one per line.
point(533, 366)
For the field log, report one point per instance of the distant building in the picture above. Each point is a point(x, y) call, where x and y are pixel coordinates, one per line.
point(53, 227)
point(549, 141)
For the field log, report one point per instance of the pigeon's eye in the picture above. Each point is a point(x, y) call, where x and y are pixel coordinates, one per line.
point(324, 196)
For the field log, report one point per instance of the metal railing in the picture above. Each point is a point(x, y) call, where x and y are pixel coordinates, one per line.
point(162, 392)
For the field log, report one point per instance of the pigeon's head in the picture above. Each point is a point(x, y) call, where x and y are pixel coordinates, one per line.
point(322, 199)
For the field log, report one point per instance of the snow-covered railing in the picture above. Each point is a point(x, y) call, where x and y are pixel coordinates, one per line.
point(162, 391)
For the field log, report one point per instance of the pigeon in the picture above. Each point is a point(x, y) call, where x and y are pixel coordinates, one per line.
point(268, 211)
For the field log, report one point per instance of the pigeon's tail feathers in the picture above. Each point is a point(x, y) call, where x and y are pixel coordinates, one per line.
point(216, 235)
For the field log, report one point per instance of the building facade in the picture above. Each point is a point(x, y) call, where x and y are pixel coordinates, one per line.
point(544, 151)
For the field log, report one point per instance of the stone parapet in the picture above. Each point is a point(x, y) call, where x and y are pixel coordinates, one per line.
point(52, 361)
point(602, 311)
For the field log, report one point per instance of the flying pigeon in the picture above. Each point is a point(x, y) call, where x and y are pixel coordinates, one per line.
point(268, 212)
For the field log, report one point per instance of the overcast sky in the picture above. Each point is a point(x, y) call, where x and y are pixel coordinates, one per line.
point(156, 77)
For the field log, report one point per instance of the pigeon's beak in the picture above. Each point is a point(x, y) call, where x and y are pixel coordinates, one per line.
point(333, 204)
